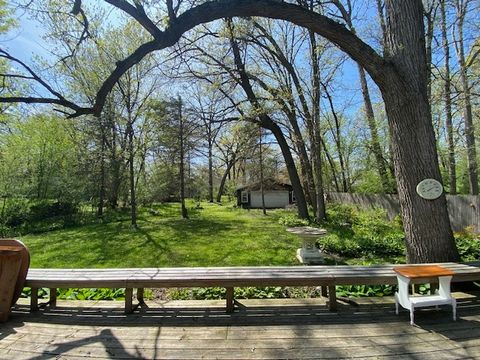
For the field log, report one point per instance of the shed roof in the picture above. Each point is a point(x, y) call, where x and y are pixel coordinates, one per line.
point(268, 184)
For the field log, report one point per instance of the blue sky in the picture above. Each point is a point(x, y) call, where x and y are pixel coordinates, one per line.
point(26, 40)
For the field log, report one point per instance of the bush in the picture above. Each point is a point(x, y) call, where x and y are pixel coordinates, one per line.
point(269, 292)
point(45, 209)
point(354, 233)
point(468, 244)
point(16, 212)
point(291, 220)
point(21, 216)
point(339, 215)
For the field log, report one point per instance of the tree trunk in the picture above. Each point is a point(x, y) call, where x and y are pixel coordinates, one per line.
point(262, 192)
point(429, 237)
point(372, 125)
point(338, 141)
point(314, 131)
point(131, 168)
point(221, 188)
point(291, 168)
point(430, 16)
point(448, 103)
point(267, 123)
point(182, 160)
point(467, 112)
point(210, 168)
point(332, 165)
point(101, 196)
point(369, 114)
point(305, 165)
point(383, 27)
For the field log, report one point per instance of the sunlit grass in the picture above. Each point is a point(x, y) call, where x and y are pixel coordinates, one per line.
point(214, 235)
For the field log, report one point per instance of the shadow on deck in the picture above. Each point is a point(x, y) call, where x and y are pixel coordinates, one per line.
point(259, 329)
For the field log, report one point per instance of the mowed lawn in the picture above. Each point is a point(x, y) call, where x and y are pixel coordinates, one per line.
point(214, 235)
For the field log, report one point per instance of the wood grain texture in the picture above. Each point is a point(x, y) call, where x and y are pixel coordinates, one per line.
point(25, 263)
point(10, 262)
point(298, 329)
point(423, 271)
point(230, 277)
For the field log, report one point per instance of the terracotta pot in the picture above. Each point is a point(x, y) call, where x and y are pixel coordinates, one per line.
point(10, 262)
point(25, 263)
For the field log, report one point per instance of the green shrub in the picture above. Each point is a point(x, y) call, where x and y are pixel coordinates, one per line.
point(83, 294)
point(45, 209)
point(291, 220)
point(341, 214)
point(269, 292)
point(347, 247)
point(468, 244)
point(354, 233)
point(366, 290)
point(16, 212)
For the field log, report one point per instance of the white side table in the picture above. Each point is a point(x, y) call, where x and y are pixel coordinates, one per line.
point(405, 274)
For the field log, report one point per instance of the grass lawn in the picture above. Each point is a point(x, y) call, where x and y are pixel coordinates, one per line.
point(215, 235)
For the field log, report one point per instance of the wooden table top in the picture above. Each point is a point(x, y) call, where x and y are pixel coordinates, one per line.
point(423, 271)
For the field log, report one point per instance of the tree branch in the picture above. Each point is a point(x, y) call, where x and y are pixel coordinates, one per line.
point(378, 68)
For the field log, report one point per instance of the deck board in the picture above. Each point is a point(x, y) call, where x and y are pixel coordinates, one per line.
point(261, 329)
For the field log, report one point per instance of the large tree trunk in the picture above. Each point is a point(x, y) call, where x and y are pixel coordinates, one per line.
point(427, 227)
point(448, 103)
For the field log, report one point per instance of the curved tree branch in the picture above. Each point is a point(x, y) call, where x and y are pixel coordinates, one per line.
point(346, 40)
point(214, 10)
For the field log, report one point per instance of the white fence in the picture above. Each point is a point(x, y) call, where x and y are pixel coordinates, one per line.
point(464, 210)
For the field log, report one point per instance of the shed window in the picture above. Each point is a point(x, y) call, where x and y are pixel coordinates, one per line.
point(244, 197)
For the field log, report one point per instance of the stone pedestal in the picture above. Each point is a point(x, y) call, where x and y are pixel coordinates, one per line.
point(308, 253)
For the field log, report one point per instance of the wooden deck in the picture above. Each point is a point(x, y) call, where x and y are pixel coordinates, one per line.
point(261, 329)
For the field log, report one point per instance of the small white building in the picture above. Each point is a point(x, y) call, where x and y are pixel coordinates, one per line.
point(276, 194)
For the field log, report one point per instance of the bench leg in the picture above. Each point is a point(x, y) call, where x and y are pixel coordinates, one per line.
point(140, 296)
point(128, 300)
point(332, 298)
point(324, 291)
point(34, 300)
point(230, 300)
point(53, 298)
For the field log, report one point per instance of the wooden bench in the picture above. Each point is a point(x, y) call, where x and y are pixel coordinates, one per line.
point(227, 277)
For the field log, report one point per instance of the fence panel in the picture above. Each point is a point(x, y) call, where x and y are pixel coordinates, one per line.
point(464, 210)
